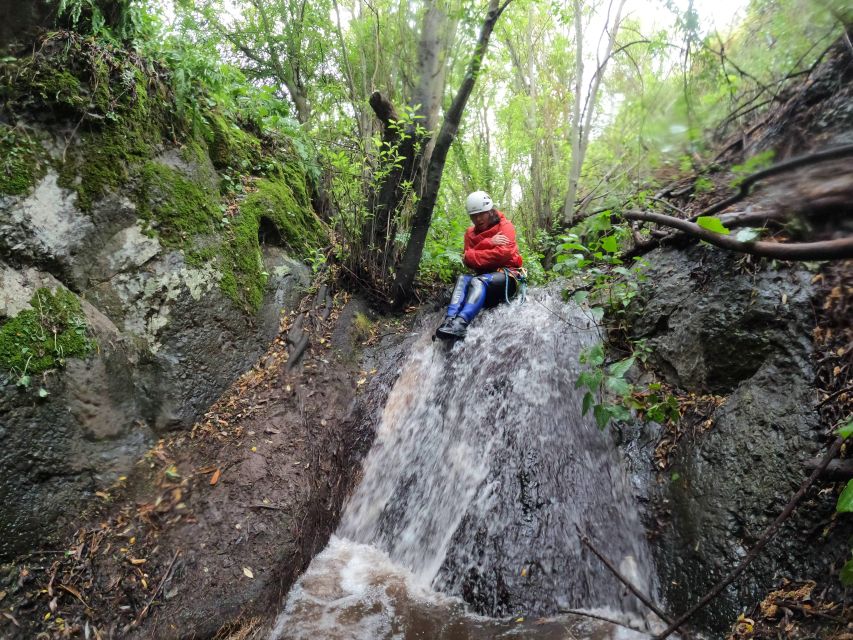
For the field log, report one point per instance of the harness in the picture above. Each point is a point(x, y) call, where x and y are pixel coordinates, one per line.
point(519, 274)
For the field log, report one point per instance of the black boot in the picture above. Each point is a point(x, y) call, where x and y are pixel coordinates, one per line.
point(452, 328)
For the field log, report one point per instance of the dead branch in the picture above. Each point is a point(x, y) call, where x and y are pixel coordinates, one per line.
point(837, 470)
point(166, 576)
point(644, 598)
point(595, 616)
point(825, 250)
point(762, 542)
point(783, 167)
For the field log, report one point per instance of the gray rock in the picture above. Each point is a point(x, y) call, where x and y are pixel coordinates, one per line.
point(711, 324)
point(715, 326)
point(169, 343)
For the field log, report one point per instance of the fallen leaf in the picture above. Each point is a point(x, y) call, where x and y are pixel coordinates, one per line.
point(784, 298)
point(137, 561)
point(215, 477)
point(248, 572)
point(102, 494)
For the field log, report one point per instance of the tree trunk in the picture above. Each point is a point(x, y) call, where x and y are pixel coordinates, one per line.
point(575, 136)
point(407, 270)
point(581, 130)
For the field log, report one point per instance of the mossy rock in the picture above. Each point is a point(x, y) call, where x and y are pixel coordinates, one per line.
point(43, 337)
point(102, 92)
point(176, 206)
point(231, 147)
point(273, 204)
point(22, 162)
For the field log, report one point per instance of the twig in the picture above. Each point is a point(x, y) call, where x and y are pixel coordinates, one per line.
point(808, 612)
point(765, 538)
point(166, 576)
point(595, 616)
point(832, 397)
point(841, 248)
point(643, 597)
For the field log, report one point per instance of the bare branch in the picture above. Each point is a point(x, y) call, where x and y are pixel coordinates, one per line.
point(826, 250)
point(765, 538)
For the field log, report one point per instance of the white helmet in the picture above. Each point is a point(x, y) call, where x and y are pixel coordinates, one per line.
point(478, 202)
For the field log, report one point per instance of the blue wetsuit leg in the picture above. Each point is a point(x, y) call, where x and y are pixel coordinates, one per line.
point(458, 296)
point(476, 297)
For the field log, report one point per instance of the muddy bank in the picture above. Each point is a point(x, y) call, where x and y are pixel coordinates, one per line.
point(212, 527)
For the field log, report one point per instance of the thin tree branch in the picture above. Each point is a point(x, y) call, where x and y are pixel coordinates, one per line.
point(643, 598)
point(765, 538)
point(825, 250)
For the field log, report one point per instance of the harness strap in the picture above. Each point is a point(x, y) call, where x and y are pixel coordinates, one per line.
point(520, 277)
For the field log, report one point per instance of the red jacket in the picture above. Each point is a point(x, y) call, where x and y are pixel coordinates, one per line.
point(482, 256)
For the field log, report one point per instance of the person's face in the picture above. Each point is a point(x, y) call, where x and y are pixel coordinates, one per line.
point(481, 220)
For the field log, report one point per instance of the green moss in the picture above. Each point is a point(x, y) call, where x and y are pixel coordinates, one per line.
point(21, 162)
point(45, 336)
point(177, 207)
point(103, 95)
point(231, 147)
point(300, 230)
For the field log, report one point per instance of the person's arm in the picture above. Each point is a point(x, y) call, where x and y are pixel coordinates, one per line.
point(491, 257)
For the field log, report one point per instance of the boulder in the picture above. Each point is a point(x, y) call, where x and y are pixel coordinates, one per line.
point(718, 324)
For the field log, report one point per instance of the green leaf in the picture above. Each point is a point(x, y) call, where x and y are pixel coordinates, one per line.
point(588, 401)
point(845, 500)
point(43, 393)
point(747, 235)
point(597, 313)
point(24, 381)
point(846, 574)
point(619, 369)
point(619, 386)
point(602, 416)
point(610, 244)
point(712, 223)
point(580, 296)
point(847, 430)
point(618, 412)
point(675, 477)
point(595, 356)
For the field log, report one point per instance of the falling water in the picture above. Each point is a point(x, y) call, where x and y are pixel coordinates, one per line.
point(483, 474)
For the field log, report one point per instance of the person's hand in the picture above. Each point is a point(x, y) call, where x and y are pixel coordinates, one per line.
point(499, 240)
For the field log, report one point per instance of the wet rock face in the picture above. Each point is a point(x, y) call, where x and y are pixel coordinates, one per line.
point(715, 328)
point(168, 342)
point(22, 19)
point(712, 324)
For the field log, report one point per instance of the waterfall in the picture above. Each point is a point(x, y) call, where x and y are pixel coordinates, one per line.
point(482, 475)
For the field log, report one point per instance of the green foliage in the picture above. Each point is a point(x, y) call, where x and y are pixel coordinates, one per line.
point(604, 381)
point(845, 500)
point(43, 337)
point(752, 165)
point(712, 223)
point(21, 161)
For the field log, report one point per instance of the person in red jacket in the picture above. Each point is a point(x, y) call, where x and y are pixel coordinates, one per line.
point(490, 251)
